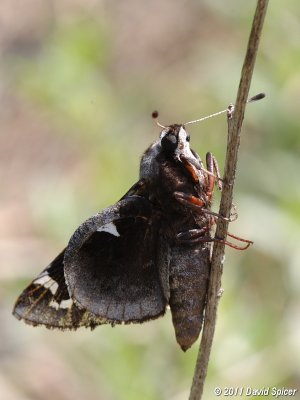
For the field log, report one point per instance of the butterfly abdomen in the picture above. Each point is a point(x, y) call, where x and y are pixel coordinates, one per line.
point(189, 273)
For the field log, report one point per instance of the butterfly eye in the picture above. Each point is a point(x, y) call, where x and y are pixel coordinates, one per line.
point(169, 142)
point(188, 138)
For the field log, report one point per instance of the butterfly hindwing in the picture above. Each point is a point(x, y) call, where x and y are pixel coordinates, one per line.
point(46, 301)
point(112, 264)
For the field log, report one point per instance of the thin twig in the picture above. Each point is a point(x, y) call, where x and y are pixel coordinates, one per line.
point(234, 128)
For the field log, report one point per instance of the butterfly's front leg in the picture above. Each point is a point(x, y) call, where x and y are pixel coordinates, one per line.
point(213, 175)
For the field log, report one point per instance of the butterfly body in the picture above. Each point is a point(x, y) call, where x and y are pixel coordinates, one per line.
point(127, 263)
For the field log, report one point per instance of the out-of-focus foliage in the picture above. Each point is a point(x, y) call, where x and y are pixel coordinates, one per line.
point(79, 81)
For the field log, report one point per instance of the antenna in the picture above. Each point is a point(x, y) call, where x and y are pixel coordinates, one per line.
point(155, 116)
point(257, 97)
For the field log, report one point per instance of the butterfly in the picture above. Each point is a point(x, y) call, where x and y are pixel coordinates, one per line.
point(149, 251)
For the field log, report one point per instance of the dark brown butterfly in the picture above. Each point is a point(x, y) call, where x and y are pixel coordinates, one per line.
point(151, 249)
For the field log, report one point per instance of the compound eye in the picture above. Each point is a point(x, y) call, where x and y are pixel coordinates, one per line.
point(188, 138)
point(169, 142)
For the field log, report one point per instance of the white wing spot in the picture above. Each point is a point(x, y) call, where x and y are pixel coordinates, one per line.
point(47, 282)
point(63, 304)
point(109, 228)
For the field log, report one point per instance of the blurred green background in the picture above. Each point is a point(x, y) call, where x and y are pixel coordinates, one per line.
point(78, 82)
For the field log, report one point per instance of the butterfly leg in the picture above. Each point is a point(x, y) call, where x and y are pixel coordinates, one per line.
point(196, 235)
point(213, 175)
point(193, 236)
point(197, 204)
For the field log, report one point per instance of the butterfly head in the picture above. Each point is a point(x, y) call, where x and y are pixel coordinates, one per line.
point(174, 141)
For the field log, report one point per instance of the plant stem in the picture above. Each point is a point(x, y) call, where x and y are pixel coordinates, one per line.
point(235, 121)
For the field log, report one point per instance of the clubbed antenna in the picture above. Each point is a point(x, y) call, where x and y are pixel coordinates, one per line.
point(257, 97)
point(155, 116)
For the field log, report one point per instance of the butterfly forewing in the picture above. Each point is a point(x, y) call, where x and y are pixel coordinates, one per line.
point(111, 263)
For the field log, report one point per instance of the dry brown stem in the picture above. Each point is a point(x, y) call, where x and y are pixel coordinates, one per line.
point(233, 141)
